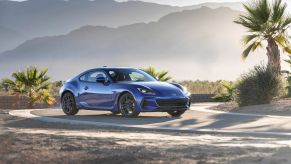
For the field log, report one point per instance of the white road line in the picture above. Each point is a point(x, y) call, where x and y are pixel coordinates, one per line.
point(27, 114)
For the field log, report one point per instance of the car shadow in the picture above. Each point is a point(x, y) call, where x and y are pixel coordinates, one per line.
point(107, 117)
point(118, 119)
point(225, 120)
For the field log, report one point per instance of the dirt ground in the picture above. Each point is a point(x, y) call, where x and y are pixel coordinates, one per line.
point(28, 141)
point(280, 107)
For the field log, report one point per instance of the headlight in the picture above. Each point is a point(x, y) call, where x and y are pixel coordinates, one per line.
point(146, 91)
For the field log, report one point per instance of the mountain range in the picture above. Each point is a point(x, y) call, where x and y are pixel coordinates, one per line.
point(36, 18)
point(200, 43)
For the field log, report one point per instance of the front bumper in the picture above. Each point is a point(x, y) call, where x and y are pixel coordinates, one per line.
point(164, 104)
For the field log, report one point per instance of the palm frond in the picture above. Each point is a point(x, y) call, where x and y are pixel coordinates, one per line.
point(263, 11)
point(283, 42)
point(247, 51)
point(151, 70)
point(251, 26)
point(286, 22)
point(247, 38)
point(287, 49)
point(159, 75)
point(163, 76)
point(256, 45)
point(278, 11)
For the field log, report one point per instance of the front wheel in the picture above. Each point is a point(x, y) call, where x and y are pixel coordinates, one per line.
point(69, 104)
point(127, 105)
point(176, 113)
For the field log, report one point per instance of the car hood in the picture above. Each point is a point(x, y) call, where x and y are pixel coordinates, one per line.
point(162, 88)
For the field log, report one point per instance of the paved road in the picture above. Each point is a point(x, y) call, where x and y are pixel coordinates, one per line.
point(196, 119)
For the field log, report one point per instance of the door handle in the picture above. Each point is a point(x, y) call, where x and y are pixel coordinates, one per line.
point(86, 87)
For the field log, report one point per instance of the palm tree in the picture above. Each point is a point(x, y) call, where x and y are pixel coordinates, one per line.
point(159, 75)
point(266, 22)
point(4, 84)
point(32, 83)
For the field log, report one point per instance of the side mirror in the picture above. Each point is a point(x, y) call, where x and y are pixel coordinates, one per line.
point(101, 80)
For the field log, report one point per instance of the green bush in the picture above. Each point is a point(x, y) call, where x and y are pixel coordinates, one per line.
point(259, 86)
point(228, 95)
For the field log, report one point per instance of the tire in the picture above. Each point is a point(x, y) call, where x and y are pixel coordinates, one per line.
point(127, 105)
point(176, 113)
point(69, 104)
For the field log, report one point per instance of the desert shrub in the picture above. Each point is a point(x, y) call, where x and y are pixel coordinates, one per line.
point(228, 94)
point(56, 86)
point(32, 83)
point(258, 86)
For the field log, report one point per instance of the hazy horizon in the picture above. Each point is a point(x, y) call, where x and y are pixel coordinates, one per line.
point(157, 45)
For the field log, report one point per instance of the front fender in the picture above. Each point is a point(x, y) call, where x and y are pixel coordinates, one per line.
point(71, 87)
point(119, 90)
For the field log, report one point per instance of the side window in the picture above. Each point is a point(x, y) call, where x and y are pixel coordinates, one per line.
point(91, 76)
point(83, 78)
point(135, 76)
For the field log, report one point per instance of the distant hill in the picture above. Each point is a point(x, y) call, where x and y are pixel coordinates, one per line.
point(9, 38)
point(202, 43)
point(233, 5)
point(35, 18)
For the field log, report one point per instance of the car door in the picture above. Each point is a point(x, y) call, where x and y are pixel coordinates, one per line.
point(95, 95)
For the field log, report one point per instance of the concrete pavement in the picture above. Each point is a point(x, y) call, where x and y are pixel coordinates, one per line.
point(198, 119)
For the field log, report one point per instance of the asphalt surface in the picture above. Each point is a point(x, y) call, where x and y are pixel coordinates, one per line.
point(196, 119)
point(48, 136)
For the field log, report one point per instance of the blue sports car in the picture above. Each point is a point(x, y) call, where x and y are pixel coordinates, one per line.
point(127, 91)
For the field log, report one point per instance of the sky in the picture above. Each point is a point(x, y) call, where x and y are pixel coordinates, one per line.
point(193, 2)
point(188, 2)
point(184, 2)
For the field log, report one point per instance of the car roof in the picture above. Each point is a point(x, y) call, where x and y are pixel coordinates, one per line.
point(111, 68)
point(107, 68)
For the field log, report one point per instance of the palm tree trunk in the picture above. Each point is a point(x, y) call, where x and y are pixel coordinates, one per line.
point(30, 99)
point(273, 54)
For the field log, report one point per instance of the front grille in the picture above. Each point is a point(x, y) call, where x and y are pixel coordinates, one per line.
point(174, 102)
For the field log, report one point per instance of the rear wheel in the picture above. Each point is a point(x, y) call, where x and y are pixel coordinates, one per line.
point(69, 104)
point(176, 113)
point(127, 105)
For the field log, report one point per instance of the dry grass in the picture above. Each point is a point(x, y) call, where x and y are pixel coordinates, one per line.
point(203, 87)
point(3, 93)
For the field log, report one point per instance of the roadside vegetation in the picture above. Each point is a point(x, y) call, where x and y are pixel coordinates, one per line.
point(287, 74)
point(159, 75)
point(203, 87)
point(229, 93)
point(32, 83)
point(268, 23)
point(259, 86)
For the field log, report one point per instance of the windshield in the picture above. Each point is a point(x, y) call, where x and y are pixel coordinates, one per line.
point(129, 75)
